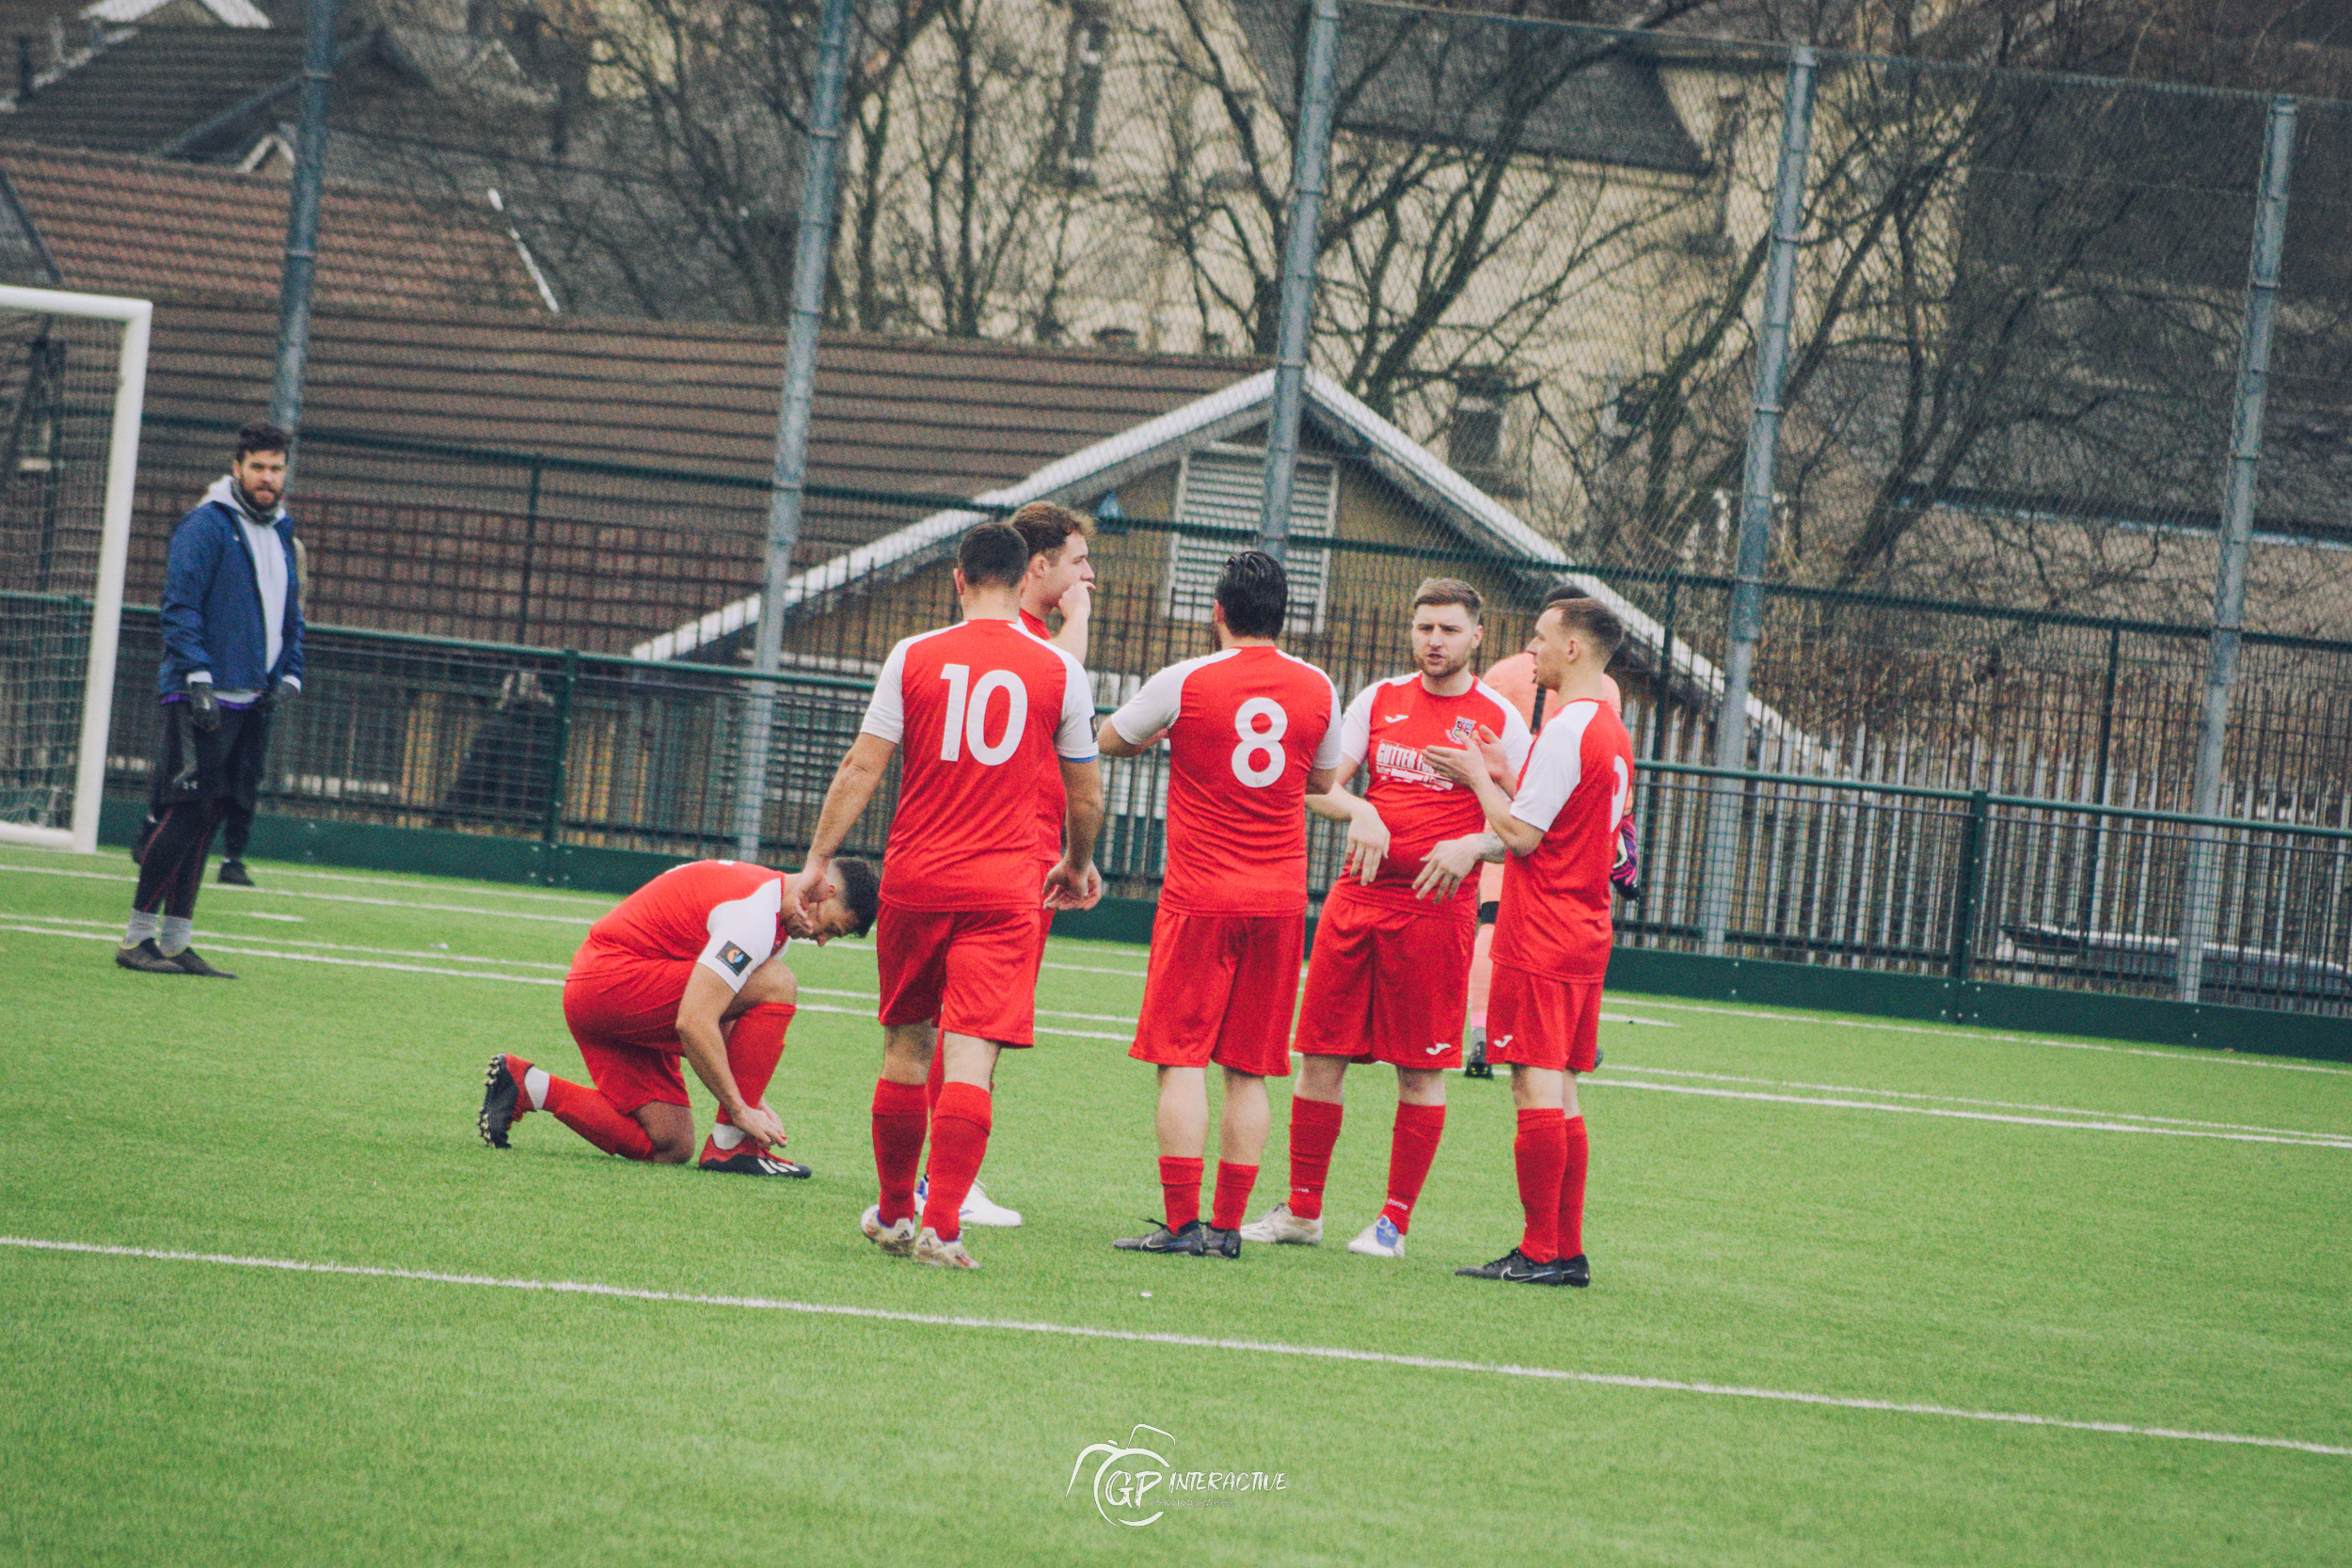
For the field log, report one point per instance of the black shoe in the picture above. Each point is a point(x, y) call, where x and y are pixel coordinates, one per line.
point(501, 1096)
point(190, 963)
point(748, 1160)
point(1573, 1270)
point(1474, 1059)
point(1513, 1268)
point(1219, 1244)
point(1191, 1241)
point(234, 874)
point(147, 959)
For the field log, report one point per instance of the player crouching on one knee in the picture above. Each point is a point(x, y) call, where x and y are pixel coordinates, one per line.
point(1553, 936)
point(689, 966)
point(1250, 732)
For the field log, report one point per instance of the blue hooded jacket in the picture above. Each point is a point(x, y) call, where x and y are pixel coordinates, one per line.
point(212, 605)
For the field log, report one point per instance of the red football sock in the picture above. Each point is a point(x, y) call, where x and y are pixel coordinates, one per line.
point(1572, 1223)
point(1541, 1154)
point(1232, 1195)
point(1412, 1147)
point(590, 1115)
point(959, 1144)
point(755, 1045)
point(898, 1122)
point(1180, 1191)
point(1314, 1128)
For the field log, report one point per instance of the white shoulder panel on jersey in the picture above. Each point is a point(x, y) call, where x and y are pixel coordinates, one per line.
point(1557, 767)
point(743, 934)
point(1329, 753)
point(1159, 700)
point(886, 710)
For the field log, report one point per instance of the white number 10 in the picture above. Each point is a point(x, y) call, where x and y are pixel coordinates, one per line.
point(967, 714)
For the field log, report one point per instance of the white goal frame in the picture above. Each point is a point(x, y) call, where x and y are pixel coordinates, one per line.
point(114, 552)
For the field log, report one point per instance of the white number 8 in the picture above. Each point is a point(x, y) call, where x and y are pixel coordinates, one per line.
point(1256, 742)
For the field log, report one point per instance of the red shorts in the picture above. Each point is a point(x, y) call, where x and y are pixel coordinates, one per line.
point(1536, 1020)
point(1386, 984)
point(974, 971)
point(1220, 989)
point(623, 1011)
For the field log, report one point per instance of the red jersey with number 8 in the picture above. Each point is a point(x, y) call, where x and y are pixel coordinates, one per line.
point(1578, 787)
point(1245, 726)
point(979, 713)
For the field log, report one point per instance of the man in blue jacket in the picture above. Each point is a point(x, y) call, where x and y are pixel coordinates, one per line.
point(233, 656)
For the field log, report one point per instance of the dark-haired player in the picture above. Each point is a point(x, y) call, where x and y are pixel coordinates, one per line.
point(1391, 971)
point(689, 966)
point(1552, 940)
point(1061, 578)
point(978, 713)
point(1251, 733)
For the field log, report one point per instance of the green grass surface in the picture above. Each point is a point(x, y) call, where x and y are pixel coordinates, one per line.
point(156, 1411)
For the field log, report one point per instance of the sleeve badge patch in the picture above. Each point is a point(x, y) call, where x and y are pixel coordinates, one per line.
point(735, 958)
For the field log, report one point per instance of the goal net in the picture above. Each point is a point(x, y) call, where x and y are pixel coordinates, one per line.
point(72, 369)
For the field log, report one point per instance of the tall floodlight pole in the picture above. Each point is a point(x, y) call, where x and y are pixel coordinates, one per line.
point(1756, 500)
point(812, 252)
point(302, 215)
point(2200, 885)
point(1308, 161)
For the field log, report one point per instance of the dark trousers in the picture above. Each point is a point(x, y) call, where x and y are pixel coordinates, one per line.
point(203, 779)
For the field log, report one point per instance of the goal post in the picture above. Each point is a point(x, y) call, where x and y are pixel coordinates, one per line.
point(65, 546)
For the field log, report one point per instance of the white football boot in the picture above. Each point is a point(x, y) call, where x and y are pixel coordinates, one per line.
point(977, 1207)
point(1280, 1225)
point(1381, 1239)
point(897, 1240)
point(930, 1249)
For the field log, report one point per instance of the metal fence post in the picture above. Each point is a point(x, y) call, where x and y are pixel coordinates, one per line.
point(302, 215)
point(559, 749)
point(1974, 832)
point(2099, 790)
point(530, 549)
point(2200, 890)
point(1755, 503)
point(1308, 160)
point(812, 252)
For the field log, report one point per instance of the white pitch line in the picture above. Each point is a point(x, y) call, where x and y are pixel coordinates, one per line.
point(2319, 1141)
point(1190, 1341)
point(313, 959)
point(1964, 1100)
point(329, 897)
point(292, 942)
point(275, 869)
point(2189, 1055)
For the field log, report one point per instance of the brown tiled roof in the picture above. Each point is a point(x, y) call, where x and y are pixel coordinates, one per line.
point(160, 83)
point(944, 417)
point(114, 223)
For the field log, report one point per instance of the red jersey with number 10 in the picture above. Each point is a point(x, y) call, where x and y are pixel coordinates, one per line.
point(979, 713)
point(1578, 787)
point(1244, 727)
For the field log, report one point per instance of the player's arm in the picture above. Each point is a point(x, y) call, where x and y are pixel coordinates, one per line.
point(1470, 768)
point(1367, 834)
point(1445, 866)
point(845, 798)
point(1076, 606)
point(704, 1046)
point(1076, 884)
point(1112, 744)
point(1144, 720)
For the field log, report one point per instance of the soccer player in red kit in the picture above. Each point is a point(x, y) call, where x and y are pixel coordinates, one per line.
point(1552, 939)
point(976, 713)
point(1390, 971)
point(1060, 577)
point(1251, 733)
point(690, 965)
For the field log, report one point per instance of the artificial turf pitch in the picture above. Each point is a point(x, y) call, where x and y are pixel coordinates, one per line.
point(1785, 1230)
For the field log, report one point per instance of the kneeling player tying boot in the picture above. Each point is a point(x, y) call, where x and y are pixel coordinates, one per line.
point(689, 966)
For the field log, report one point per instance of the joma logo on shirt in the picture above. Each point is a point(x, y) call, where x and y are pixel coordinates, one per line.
point(1407, 763)
point(735, 958)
